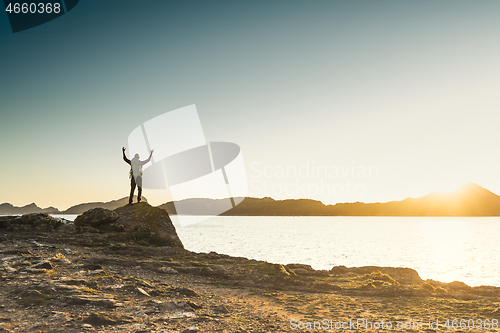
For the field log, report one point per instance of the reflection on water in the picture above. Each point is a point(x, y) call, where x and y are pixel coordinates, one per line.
point(439, 248)
point(69, 217)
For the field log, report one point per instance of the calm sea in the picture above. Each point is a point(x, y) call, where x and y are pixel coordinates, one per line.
point(441, 248)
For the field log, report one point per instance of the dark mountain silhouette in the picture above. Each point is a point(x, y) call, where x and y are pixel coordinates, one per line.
point(469, 200)
point(111, 205)
point(251, 207)
point(8, 209)
point(198, 206)
point(270, 207)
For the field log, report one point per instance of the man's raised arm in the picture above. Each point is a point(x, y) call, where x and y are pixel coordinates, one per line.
point(125, 157)
point(149, 158)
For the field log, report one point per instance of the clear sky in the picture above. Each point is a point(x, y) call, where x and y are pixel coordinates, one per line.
point(405, 93)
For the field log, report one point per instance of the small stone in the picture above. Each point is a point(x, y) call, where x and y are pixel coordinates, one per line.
point(221, 309)
point(139, 328)
point(192, 329)
point(90, 299)
point(101, 318)
point(86, 326)
point(42, 265)
point(168, 270)
point(144, 292)
point(182, 315)
point(97, 271)
point(193, 305)
point(174, 306)
point(10, 258)
point(186, 291)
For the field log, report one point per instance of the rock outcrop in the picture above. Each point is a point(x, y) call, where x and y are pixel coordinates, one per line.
point(33, 221)
point(402, 275)
point(139, 224)
point(95, 217)
point(142, 218)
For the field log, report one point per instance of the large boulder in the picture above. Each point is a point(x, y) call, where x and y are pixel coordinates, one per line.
point(95, 217)
point(139, 223)
point(144, 220)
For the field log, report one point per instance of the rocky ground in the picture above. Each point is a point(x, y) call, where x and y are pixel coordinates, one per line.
point(99, 274)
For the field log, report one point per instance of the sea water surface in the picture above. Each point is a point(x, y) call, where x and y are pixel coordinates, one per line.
point(441, 248)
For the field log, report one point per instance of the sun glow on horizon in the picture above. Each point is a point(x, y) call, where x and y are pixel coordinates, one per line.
point(449, 188)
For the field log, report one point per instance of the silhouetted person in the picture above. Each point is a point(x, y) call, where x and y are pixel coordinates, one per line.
point(135, 174)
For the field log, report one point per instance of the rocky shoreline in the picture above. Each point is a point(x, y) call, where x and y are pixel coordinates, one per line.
point(127, 271)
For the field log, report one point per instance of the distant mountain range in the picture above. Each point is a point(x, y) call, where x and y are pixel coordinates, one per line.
point(8, 209)
point(469, 200)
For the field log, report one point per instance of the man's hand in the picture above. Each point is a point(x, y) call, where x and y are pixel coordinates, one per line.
point(123, 149)
point(152, 150)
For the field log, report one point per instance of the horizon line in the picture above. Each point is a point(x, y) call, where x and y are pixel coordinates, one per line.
point(351, 202)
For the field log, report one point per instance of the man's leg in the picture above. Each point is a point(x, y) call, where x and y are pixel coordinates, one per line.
point(139, 188)
point(132, 189)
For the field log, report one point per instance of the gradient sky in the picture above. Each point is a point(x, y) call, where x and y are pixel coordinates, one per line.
point(410, 88)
